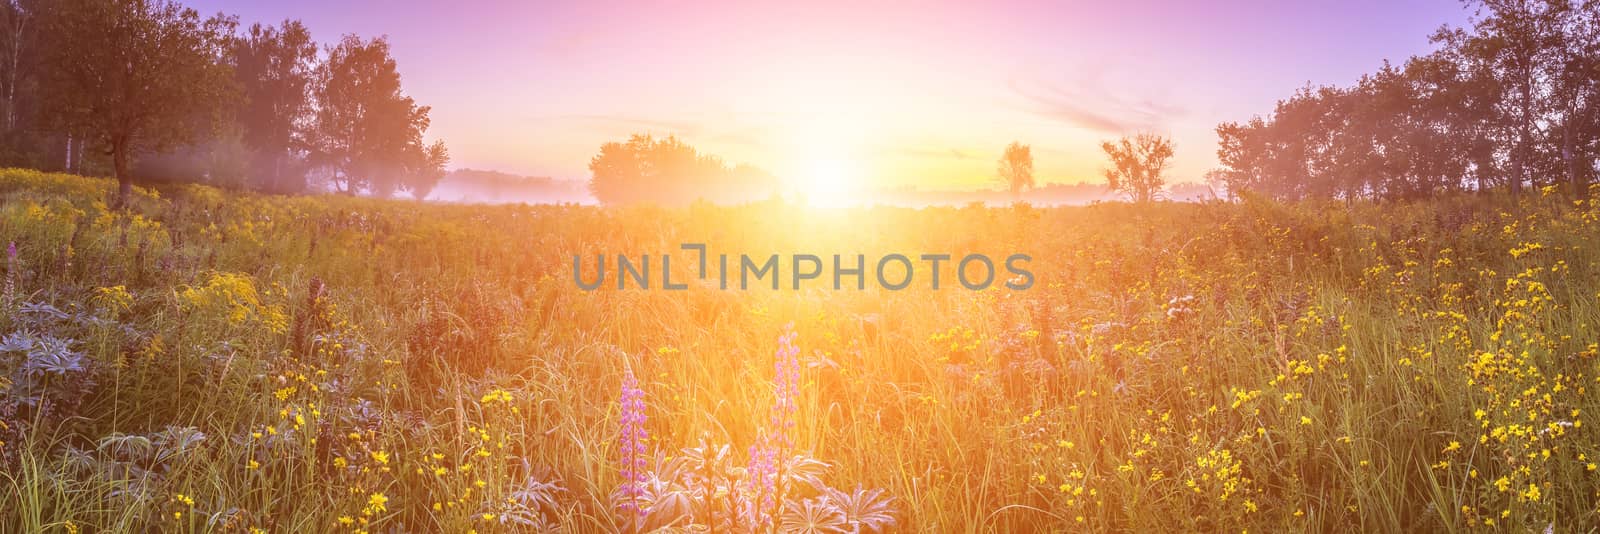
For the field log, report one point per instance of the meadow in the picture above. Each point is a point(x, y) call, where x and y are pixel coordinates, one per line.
point(212, 361)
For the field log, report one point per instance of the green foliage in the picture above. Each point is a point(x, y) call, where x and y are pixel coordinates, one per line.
point(136, 75)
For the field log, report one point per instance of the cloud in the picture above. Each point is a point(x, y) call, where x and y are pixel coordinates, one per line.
point(1089, 105)
point(940, 153)
point(609, 122)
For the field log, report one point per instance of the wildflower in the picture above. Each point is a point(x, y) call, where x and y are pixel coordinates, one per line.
point(762, 471)
point(786, 385)
point(376, 504)
point(498, 395)
point(774, 444)
point(1532, 493)
point(631, 443)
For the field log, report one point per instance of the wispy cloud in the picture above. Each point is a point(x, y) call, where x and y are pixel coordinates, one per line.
point(611, 122)
point(1089, 104)
point(934, 153)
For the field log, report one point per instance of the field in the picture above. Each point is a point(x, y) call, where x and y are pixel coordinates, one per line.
point(212, 361)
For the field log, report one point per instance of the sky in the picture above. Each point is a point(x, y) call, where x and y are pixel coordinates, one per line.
point(863, 94)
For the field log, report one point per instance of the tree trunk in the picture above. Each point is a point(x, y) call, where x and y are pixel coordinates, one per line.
point(119, 160)
point(1569, 159)
point(1578, 177)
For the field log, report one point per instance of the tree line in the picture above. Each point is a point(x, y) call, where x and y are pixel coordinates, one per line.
point(1511, 102)
point(150, 87)
point(1507, 103)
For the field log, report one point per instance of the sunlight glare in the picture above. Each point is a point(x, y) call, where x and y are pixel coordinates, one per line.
point(829, 181)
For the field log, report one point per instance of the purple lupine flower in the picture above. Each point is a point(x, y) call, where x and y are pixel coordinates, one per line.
point(773, 444)
point(762, 484)
point(786, 389)
point(631, 443)
point(11, 252)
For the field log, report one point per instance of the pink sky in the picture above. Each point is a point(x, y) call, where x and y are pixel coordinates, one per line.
point(923, 94)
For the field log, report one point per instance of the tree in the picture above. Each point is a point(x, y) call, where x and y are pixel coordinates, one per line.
point(427, 170)
point(1509, 102)
point(1016, 168)
point(138, 75)
point(274, 67)
point(1136, 165)
point(669, 171)
point(18, 55)
point(23, 140)
point(366, 131)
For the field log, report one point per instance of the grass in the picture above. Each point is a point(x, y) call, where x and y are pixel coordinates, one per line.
point(218, 361)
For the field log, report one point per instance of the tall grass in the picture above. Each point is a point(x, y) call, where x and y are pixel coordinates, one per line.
point(339, 364)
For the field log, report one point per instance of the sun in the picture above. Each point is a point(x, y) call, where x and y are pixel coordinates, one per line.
point(822, 158)
point(828, 180)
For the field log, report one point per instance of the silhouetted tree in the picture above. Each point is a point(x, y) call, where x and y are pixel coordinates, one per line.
point(366, 131)
point(138, 75)
point(1507, 103)
point(1016, 168)
point(1136, 165)
point(668, 171)
point(427, 169)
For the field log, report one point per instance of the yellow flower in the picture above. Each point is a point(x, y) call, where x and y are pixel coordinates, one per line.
point(1532, 493)
point(377, 503)
point(498, 395)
